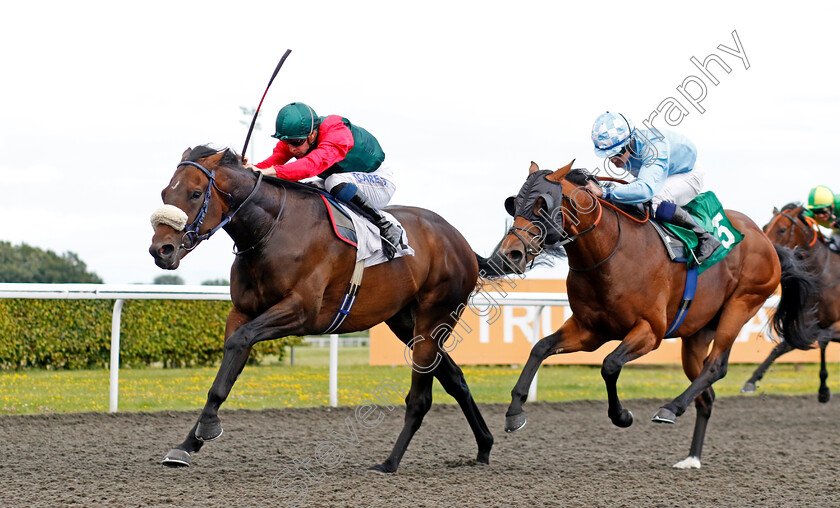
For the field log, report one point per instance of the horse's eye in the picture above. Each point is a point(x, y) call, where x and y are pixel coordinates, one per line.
point(195, 195)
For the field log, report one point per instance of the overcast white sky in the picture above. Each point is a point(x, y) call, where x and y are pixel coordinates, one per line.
point(99, 100)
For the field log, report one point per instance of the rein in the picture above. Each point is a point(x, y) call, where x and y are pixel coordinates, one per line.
point(615, 249)
point(191, 233)
point(796, 225)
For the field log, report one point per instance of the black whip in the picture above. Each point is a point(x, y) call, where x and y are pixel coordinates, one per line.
point(257, 112)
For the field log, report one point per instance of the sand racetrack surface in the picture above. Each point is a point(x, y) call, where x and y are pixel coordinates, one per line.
point(761, 450)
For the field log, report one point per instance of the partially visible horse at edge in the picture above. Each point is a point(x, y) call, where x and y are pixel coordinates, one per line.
point(622, 286)
point(790, 228)
point(290, 275)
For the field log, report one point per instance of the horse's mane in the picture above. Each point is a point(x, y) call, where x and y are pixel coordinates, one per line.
point(232, 160)
point(580, 176)
point(230, 157)
point(791, 206)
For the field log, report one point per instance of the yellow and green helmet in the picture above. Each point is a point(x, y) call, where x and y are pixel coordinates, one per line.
point(820, 197)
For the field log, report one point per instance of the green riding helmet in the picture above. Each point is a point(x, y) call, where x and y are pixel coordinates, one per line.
point(295, 121)
point(820, 197)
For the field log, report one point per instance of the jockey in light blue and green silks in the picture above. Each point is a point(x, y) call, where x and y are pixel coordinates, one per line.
point(665, 169)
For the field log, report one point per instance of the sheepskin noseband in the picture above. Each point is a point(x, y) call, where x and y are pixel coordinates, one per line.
point(170, 215)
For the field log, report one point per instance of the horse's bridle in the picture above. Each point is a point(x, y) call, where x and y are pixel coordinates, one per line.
point(807, 229)
point(796, 223)
point(514, 230)
point(191, 237)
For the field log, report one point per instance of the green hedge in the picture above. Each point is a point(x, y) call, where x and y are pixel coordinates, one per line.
point(74, 334)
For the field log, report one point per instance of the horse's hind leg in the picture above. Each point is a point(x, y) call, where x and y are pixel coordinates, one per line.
point(824, 395)
point(425, 357)
point(703, 403)
point(736, 312)
point(569, 338)
point(693, 352)
point(452, 379)
point(780, 349)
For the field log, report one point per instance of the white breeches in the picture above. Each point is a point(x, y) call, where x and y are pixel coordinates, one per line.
point(681, 188)
point(378, 186)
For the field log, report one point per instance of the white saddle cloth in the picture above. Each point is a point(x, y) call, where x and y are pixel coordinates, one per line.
point(370, 242)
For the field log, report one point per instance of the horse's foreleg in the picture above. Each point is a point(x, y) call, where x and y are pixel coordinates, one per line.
point(824, 395)
point(780, 349)
point(569, 338)
point(280, 320)
point(181, 454)
point(640, 341)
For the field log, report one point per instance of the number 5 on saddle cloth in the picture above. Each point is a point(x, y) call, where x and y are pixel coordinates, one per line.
point(708, 212)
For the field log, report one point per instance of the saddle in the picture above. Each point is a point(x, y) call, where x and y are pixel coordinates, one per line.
point(341, 222)
point(641, 212)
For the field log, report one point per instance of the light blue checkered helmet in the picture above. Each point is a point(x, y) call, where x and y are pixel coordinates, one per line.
point(610, 133)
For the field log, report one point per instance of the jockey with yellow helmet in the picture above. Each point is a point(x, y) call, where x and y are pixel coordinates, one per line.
point(347, 157)
point(666, 170)
point(823, 206)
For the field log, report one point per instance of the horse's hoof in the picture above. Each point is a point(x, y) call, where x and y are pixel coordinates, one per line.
point(177, 458)
point(208, 431)
point(824, 395)
point(688, 463)
point(624, 420)
point(515, 422)
point(483, 456)
point(664, 415)
point(748, 388)
point(382, 469)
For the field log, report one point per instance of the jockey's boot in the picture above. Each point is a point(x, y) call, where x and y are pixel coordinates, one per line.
point(707, 244)
point(391, 233)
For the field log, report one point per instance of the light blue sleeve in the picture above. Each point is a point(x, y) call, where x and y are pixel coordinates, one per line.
point(651, 176)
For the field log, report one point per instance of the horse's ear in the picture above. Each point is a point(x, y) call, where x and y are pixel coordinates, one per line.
point(561, 173)
point(215, 158)
point(775, 211)
point(186, 154)
point(533, 167)
point(510, 206)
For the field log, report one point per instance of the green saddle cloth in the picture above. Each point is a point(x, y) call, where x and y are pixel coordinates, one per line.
point(708, 212)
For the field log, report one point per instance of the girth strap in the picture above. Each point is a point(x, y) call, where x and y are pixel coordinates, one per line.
point(349, 297)
point(688, 297)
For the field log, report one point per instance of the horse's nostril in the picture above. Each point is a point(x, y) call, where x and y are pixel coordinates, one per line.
point(166, 250)
point(515, 256)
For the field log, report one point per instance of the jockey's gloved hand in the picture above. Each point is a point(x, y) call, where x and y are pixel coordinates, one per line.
point(836, 223)
point(607, 188)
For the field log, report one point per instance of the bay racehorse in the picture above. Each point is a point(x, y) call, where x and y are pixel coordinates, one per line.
point(791, 228)
point(290, 275)
point(622, 286)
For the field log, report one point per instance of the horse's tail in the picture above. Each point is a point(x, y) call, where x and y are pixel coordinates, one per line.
point(494, 266)
point(794, 318)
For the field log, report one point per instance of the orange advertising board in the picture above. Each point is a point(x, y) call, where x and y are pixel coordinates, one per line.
point(506, 335)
